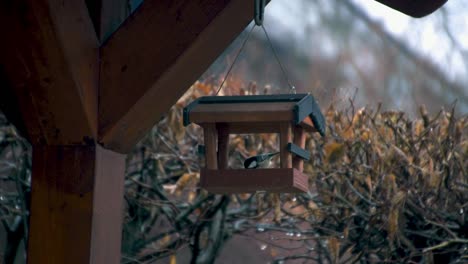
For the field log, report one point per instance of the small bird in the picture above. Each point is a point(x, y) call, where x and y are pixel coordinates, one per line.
point(259, 160)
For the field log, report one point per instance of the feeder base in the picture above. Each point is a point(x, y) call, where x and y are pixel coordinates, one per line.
point(287, 180)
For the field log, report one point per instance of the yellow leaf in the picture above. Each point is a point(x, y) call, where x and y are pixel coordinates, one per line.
point(184, 180)
point(277, 205)
point(191, 197)
point(418, 128)
point(165, 240)
point(348, 134)
point(365, 135)
point(334, 151)
point(173, 259)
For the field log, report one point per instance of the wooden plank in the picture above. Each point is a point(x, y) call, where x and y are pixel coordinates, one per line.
point(49, 58)
point(158, 52)
point(246, 112)
point(69, 221)
point(251, 127)
point(251, 180)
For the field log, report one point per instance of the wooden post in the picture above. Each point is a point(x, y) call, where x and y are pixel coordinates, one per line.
point(299, 139)
point(210, 135)
point(223, 146)
point(285, 138)
point(76, 205)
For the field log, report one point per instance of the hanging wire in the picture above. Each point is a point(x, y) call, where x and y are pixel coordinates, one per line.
point(285, 75)
point(235, 59)
point(258, 14)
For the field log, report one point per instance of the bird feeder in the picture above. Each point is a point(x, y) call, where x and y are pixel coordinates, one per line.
point(290, 115)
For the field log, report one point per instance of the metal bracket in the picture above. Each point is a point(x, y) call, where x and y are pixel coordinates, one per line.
point(259, 11)
point(298, 151)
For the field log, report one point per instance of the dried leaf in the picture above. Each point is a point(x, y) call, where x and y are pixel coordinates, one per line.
point(184, 180)
point(369, 183)
point(277, 206)
point(334, 151)
point(173, 259)
point(334, 247)
point(165, 240)
point(392, 225)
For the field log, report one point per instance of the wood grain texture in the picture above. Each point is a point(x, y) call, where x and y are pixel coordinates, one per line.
point(76, 203)
point(285, 138)
point(245, 112)
point(251, 180)
point(210, 136)
point(61, 205)
point(108, 199)
point(159, 51)
point(223, 146)
point(49, 62)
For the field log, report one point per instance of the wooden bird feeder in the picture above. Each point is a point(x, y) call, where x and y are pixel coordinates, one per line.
point(290, 115)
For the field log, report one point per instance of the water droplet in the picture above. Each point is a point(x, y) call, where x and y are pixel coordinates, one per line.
point(2, 198)
point(342, 236)
point(298, 235)
point(263, 247)
point(294, 199)
point(290, 234)
point(260, 229)
point(461, 211)
point(17, 207)
point(311, 248)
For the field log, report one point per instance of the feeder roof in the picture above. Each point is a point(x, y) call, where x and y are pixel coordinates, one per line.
point(297, 108)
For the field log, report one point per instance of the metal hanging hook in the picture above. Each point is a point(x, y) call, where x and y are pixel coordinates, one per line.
point(259, 11)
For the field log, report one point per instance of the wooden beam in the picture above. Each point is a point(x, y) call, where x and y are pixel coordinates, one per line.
point(49, 62)
point(155, 56)
point(76, 205)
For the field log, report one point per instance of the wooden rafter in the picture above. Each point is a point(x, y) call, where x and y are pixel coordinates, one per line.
point(155, 56)
point(49, 56)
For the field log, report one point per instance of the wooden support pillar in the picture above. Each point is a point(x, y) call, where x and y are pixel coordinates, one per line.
point(299, 139)
point(223, 146)
point(210, 135)
point(285, 138)
point(76, 205)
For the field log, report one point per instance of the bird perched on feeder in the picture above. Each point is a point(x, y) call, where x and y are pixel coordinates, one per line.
point(259, 161)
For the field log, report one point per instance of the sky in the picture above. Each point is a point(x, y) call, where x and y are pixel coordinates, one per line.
point(422, 34)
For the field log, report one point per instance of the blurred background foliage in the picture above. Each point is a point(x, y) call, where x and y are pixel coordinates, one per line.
point(385, 185)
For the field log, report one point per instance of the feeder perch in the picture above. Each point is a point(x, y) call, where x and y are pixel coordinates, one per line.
point(290, 115)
